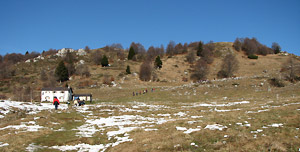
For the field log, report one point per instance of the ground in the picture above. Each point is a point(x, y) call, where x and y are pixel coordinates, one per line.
point(238, 114)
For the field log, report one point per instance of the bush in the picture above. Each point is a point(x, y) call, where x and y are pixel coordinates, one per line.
point(276, 82)
point(252, 56)
point(104, 61)
point(201, 70)
point(229, 66)
point(158, 62)
point(145, 71)
point(128, 70)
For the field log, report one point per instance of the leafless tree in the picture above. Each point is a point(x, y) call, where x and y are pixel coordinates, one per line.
point(237, 44)
point(291, 69)
point(207, 55)
point(49, 52)
point(96, 57)
point(178, 49)
point(229, 66)
point(201, 70)
point(87, 49)
point(43, 75)
point(145, 71)
point(191, 56)
point(83, 70)
point(170, 48)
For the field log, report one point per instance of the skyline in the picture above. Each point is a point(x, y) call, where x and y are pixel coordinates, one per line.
point(35, 25)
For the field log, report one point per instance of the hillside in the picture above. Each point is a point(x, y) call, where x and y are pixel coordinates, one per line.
point(241, 113)
point(175, 69)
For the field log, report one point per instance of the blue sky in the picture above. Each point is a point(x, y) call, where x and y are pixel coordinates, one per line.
point(37, 25)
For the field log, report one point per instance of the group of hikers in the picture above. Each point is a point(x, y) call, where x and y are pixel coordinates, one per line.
point(142, 92)
point(77, 102)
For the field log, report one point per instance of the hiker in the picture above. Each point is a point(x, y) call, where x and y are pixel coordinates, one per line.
point(81, 103)
point(146, 90)
point(133, 93)
point(76, 102)
point(55, 102)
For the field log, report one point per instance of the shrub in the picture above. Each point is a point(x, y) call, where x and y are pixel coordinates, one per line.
point(104, 61)
point(131, 53)
point(200, 70)
point(128, 70)
point(252, 56)
point(145, 71)
point(276, 82)
point(229, 66)
point(158, 62)
point(106, 80)
point(191, 57)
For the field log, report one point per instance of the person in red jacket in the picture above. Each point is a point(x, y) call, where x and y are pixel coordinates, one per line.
point(55, 102)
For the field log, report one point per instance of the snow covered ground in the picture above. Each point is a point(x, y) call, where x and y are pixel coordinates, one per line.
point(120, 120)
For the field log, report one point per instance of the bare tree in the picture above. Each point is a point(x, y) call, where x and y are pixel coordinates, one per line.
point(201, 70)
point(83, 70)
point(170, 48)
point(237, 44)
point(178, 49)
point(191, 56)
point(291, 68)
point(87, 49)
point(96, 57)
point(43, 75)
point(229, 66)
point(145, 71)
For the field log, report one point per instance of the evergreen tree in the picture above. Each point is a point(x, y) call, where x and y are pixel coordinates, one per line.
point(104, 61)
point(200, 49)
point(128, 69)
point(158, 62)
point(131, 53)
point(61, 72)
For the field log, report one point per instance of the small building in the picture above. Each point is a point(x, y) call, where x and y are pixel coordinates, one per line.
point(63, 94)
point(85, 97)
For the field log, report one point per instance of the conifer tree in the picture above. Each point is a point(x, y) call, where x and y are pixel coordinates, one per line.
point(61, 72)
point(131, 53)
point(158, 62)
point(104, 61)
point(200, 49)
point(128, 69)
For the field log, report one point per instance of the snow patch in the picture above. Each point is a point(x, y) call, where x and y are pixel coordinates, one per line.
point(215, 127)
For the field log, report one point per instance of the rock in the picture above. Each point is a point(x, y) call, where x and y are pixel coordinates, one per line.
point(63, 52)
point(81, 52)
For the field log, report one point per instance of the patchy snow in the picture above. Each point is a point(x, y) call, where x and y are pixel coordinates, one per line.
point(181, 128)
point(191, 130)
point(27, 126)
point(82, 147)
point(195, 117)
point(215, 127)
point(216, 105)
point(31, 108)
point(3, 144)
point(180, 114)
point(276, 125)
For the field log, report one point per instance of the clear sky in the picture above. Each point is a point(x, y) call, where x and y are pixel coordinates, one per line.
point(37, 25)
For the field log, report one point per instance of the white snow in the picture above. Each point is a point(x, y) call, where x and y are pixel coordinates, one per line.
point(181, 128)
point(31, 127)
point(276, 125)
point(215, 127)
point(191, 130)
point(33, 108)
point(3, 144)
